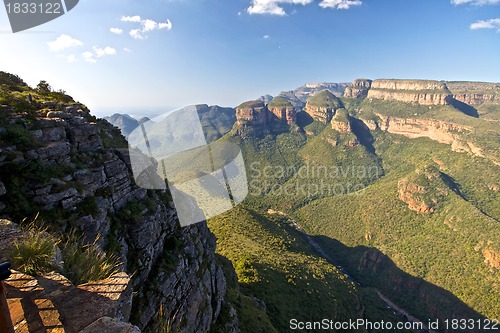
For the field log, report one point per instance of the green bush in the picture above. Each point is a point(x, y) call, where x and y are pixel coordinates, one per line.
point(87, 262)
point(34, 254)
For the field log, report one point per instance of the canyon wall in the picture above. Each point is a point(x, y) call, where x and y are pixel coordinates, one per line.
point(423, 92)
point(321, 107)
point(76, 171)
point(358, 89)
point(442, 132)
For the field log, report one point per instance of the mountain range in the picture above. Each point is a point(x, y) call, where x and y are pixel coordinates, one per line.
point(377, 200)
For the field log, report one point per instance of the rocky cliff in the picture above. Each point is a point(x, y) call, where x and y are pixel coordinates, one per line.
point(358, 89)
point(255, 118)
point(423, 92)
point(322, 106)
point(475, 93)
point(298, 97)
point(252, 113)
point(59, 160)
point(341, 122)
point(440, 131)
point(282, 110)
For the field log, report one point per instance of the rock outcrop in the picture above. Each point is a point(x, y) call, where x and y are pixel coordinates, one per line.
point(341, 122)
point(424, 190)
point(423, 92)
point(322, 106)
point(298, 97)
point(70, 167)
point(475, 93)
point(282, 110)
point(358, 89)
point(51, 302)
point(254, 118)
point(440, 131)
point(252, 113)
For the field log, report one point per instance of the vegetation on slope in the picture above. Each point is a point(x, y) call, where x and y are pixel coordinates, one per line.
point(325, 99)
point(275, 264)
point(437, 247)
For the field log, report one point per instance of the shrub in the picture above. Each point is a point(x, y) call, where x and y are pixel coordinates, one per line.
point(87, 262)
point(34, 254)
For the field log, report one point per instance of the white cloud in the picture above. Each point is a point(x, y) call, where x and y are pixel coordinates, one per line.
point(339, 4)
point(476, 2)
point(488, 24)
point(104, 52)
point(273, 7)
point(71, 58)
point(136, 34)
point(136, 18)
point(63, 42)
point(166, 25)
point(117, 31)
point(147, 25)
point(266, 36)
point(126, 49)
point(89, 57)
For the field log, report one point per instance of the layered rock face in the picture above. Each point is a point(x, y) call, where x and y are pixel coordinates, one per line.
point(341, 122)
point(423, 92)
point(442, 132)
point(71, 170)
point(282, 110)
point(252, 113)
point(475, 93)
point(321, 107)
point(358, 89)
point(254, 118)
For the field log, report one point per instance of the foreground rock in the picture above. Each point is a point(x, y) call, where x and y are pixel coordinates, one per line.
point(76, 172)
point(52, 303)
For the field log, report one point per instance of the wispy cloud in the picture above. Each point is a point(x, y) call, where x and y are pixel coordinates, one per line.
point(63, 42)
point(273, 7)
point(476, 2)
point(339, 4)
point(136, 34)
point(71, 58)
point(104, 52)
point(266, 37)
point(91, 57)
point(488, 24)
point(136, 18)
point(116, 31)
point(147, 25)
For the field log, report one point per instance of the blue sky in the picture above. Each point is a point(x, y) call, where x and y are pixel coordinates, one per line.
point(169, 53)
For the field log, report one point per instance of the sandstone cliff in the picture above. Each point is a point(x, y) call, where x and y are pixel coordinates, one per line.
point(73, 168)
point(475, 93)
point(321, 107)
point(282, 110)
point(359, 88)
point(341, 122)
point(423, 92)
point(254, 118)
point(252, 113)
point(437, 130)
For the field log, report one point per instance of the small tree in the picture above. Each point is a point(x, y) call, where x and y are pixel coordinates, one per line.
point(43, 87)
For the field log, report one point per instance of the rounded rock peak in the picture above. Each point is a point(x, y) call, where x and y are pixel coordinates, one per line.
point(326, 99)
